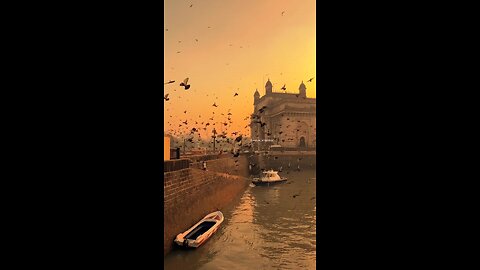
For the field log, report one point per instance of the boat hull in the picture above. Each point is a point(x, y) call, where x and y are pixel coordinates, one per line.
point(200, 232)
point(267, 183)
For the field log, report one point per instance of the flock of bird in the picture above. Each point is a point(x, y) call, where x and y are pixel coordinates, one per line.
point(211, 128)
point(192, 132)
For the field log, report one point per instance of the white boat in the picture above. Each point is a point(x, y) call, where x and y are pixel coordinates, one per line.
point(201, 231)
point(269, 177)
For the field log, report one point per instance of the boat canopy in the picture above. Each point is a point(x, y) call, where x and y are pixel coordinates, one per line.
point(270, 174)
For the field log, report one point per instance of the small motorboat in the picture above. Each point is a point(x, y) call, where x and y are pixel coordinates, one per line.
point(269, 177)
point(201, 231)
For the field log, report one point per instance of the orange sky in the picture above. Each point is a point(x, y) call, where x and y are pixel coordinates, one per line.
point(248, 41)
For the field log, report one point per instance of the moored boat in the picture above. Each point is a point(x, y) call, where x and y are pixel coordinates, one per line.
point(200, 232)
point(269, 177)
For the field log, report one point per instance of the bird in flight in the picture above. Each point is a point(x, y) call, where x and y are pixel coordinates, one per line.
point(214, 105)
point(283, 12)
point(236, 94)
point(196, 40)
point(166, 97)
point(179, 51)
point(310, 79)
point(284, 88)
point(191, 5)
point(184, 84)
point(239, 138)
point(169, 82)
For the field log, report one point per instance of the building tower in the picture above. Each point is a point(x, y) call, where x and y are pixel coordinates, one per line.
point(268, 87)
point(256, 97)
point(302, 90)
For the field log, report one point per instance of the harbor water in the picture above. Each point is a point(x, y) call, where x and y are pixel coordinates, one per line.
point(267, 227)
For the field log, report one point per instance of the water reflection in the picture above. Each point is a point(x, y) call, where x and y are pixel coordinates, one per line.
point(267, 228)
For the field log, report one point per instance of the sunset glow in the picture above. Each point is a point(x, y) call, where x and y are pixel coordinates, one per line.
point(233, 46)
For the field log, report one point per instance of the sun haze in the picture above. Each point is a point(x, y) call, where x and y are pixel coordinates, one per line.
point(232, 47)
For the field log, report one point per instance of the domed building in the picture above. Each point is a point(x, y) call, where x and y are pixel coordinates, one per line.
point(286, 119)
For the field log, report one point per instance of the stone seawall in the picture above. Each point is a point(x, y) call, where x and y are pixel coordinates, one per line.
point(225, 164)
point(192, 193)
point(285, 162)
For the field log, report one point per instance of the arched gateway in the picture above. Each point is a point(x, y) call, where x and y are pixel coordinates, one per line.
point(287, 119)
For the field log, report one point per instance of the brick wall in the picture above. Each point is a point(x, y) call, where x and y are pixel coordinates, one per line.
point(185, 182)
point(226, 164)
point(191, 193)
point(175, 164)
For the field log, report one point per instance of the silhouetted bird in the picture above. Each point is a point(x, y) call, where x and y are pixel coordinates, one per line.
point(179, 51)
point(196, 40)
point(185, 112)
point(191, 5)
point(214, 105)
point(283, 12)
point(185, 84)
point(169, 82)
point(284, 88)
point(310, 79)
point(166, 97)
point(236, 94)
